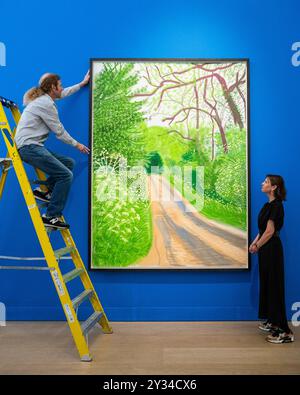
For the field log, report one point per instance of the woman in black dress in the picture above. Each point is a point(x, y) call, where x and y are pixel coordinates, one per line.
point(270, 256)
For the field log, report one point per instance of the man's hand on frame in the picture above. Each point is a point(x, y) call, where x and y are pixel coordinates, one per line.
point(82, 148)
point(86, 79)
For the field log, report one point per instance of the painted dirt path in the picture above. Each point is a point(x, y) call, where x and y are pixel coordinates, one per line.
point(184, 238)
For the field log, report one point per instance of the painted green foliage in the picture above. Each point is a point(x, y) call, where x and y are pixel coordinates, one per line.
point(115, 115)
point(122, 230)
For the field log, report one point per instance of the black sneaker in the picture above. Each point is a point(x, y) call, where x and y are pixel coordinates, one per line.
point(55, 222)
point(43, 196)
point(266, 327)
point(279, 337)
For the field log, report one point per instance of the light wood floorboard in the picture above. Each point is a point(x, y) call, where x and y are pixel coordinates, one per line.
point(147, 348)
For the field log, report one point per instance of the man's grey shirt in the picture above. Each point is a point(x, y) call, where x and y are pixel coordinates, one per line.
point(39, 118)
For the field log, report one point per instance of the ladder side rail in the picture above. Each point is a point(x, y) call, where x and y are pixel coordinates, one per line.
point(4, 123)
point(87, 283)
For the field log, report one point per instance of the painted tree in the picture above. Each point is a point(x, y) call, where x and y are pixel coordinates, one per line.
point(116, 115)
point(195, 95)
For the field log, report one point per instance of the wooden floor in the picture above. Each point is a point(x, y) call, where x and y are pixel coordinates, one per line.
point(147, 348)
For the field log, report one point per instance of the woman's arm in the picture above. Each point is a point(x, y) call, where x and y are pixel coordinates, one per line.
point(268, 233)
point(256, 239)
point(254, 242)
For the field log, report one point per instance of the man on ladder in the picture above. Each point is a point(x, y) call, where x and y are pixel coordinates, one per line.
point(62, 278)
point(39, 118)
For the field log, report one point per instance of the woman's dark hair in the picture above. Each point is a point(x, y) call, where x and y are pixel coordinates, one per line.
point(280, 191)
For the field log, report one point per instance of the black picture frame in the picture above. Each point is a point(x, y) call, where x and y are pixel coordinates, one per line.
point(177, 60)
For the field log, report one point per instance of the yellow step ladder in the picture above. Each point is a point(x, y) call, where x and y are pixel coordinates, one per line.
point(70, 306)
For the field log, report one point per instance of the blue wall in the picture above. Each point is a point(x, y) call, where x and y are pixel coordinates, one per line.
point(61, 37)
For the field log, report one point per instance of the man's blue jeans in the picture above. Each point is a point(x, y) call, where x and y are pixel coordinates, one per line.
point(59, 170)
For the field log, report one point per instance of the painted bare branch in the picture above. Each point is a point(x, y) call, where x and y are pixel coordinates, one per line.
point(230, 101)
point(181, 135)
point(217, 119)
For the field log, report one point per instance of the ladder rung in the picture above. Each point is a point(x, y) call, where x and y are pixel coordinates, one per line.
point(91, 322)
point(63, 251)
point(72, 274)
point(82, 297)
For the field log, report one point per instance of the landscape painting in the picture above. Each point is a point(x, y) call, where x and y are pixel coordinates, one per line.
point(169, 164)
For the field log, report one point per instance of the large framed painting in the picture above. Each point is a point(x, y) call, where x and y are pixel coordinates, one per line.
point(169, 164)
